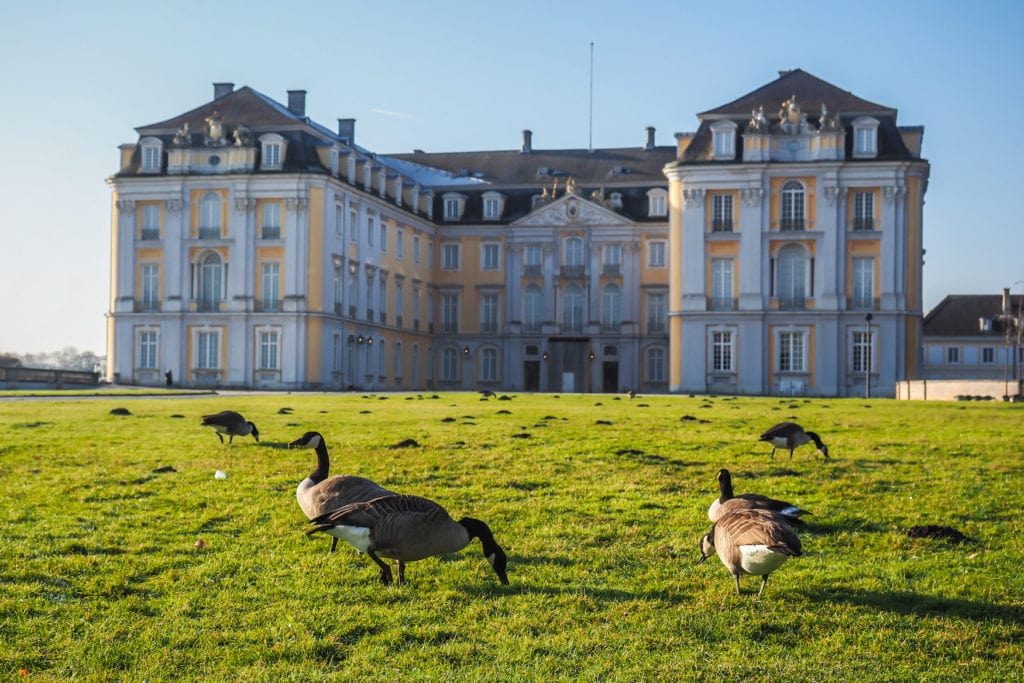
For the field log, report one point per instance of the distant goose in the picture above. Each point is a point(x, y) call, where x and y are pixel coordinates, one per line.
point(727, 501)
point(231, 423)
point(408, 528)
point(319, 495)
point(751, 542)
point(791, 435)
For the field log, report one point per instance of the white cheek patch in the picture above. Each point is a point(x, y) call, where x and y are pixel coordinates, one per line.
point(356, 536)
point(315, 442)
point(490, 560)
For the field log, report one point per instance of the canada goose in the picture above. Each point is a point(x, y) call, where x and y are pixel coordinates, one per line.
point(750, 542)
point(408, 528)
point(318, 495)
point(791, 435)
point(231, 423)
point(727, 501)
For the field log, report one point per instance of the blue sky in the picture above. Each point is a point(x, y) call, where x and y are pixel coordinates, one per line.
point(78, 77)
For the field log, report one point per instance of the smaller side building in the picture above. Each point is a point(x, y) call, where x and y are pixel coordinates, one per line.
point(975, 337)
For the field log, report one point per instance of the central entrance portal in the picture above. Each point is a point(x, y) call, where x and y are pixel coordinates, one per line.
point(568, 364)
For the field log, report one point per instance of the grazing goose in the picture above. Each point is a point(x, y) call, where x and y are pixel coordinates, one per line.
point(726, 502)
point(750, 542)
point(231, 423)
point(408, 528)
point(791, 435)
point(319, 495)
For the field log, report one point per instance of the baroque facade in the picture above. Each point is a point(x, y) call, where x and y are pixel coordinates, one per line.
point(253, 247)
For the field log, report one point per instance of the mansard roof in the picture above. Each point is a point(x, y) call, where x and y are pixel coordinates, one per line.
point(243, 106)
point(958, 315)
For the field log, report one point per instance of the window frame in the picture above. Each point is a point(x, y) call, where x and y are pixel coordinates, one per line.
point(792, 206)
point(722, 350)
point(657, 248)
point(147, 348)
point(862, 296)
point(490, 256)
point(722, 212)
point(722, 281)
point(489, 313)
point(451, 256)
point(654, 367)
point(268, 347)
point(790, 359)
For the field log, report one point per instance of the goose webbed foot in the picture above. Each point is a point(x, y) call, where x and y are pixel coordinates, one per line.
point(385, 570)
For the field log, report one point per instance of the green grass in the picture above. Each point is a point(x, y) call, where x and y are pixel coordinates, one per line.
point(100, 578)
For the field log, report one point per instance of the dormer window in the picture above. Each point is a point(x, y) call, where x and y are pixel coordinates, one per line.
point(152, 154)
point(724, 139)
point(493, 205)
point(865, 137)
point(656, 202)
point(272, 148)
point(454, 205)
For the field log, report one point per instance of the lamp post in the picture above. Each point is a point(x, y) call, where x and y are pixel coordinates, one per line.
point(867, 355)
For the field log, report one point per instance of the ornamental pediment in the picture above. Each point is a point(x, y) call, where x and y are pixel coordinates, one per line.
point(571, 209)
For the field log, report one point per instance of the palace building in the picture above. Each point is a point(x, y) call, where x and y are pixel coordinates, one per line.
point(253, 247)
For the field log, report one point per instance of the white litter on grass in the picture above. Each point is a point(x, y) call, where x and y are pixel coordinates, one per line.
point(220, 475)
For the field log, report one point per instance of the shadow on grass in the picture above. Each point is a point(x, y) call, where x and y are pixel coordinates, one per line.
point(920, 605)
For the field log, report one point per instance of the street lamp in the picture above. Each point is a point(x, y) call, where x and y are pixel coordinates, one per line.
point(867, 355)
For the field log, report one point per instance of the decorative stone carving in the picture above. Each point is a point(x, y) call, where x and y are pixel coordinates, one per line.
point(242, 136)
point(828, 123)
point(891, 192)
point(693, 198)
point(245, 204)
point(758, 121)
point(297, 204)
point(752, 196)
point(126, 205)
point(571, 210)
point(173, 206)
point(182, 138)
point(831, 193)
point(792, 119)
point(215, 131)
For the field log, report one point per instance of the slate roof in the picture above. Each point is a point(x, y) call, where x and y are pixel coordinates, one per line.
point(957, 315)
point(810, 92)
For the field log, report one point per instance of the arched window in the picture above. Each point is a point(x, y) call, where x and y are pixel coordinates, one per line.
point(533, 308)
point(210, 285)
point(572, 309)
point(209, 216)
point(611, 307)
point(792, 206)
point(792, 278)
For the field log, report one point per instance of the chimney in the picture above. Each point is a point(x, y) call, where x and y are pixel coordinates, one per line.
point(347, 131)
point(650, 139)
point(222, 89)
point(297, 102)
point(527, 141)
point(1006, 301)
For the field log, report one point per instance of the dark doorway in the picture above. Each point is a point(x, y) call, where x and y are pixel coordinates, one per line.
point(610, 377)
point(531, 375)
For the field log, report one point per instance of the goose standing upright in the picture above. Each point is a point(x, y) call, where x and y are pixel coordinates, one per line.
point(231, 423)
point(406, 529)
point(791, 435)
point(319, 494)
point(727, 501)
point(751, 542)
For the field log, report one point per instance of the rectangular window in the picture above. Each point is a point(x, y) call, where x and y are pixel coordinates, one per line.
point(147, 351)
point(721, 213)
point(724, 141)
point(791, 352)
point(611, 255)
point(353, 221)
point(271, 216)
point(656, 365)
point(268, 356)
point(415, 248)
point(400, 243)
point(953, 355)
point(383, 301)
point(270, 294)
point(657, 205)
point(721, 283)
point(656, 312)
point(449, 365)
point(452, 208)
point(721, 351)
point(862, 351)
point(449, 313)
point(399, 304)
point(863, 283)
point(150, 222)
point(490, 257)
point(339, 299)
point(383, 236)
point(369, 230)
point(151, 158)
point(988, 355)
point(430, 255)
point(492, 208)
point(272, 154)
point(449, 257)
point(863, 211)
point(339, 224)
point(532, 256)
point(150, 287)
point(489, 313)
point(489, 365)
point(208, 350)
point(656, 254)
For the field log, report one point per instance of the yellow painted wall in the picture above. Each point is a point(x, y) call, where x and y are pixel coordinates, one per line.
point(675, 289)
point(315, 284)
point(314, 348)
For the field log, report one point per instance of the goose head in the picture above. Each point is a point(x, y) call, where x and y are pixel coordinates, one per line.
point(495, 556)
point(255, 432)
point(307, 440)
point(707, 546)
point(817, 442)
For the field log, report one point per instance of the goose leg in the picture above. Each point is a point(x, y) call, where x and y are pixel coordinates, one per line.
point(773, 452)
point(401, 573)
point(231, 439)
point(334, 544)
point(737, 578)
point(385, 570)
point(764, 582)
point(219, 437)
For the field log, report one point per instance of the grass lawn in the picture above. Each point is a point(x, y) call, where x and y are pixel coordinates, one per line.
point(599, 502)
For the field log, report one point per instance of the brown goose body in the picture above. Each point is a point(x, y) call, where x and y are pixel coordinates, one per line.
point(319, 494)
point(790, 435)
point(727, 501)
point(407, 529)
point(231, 423)
point(751, 541)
